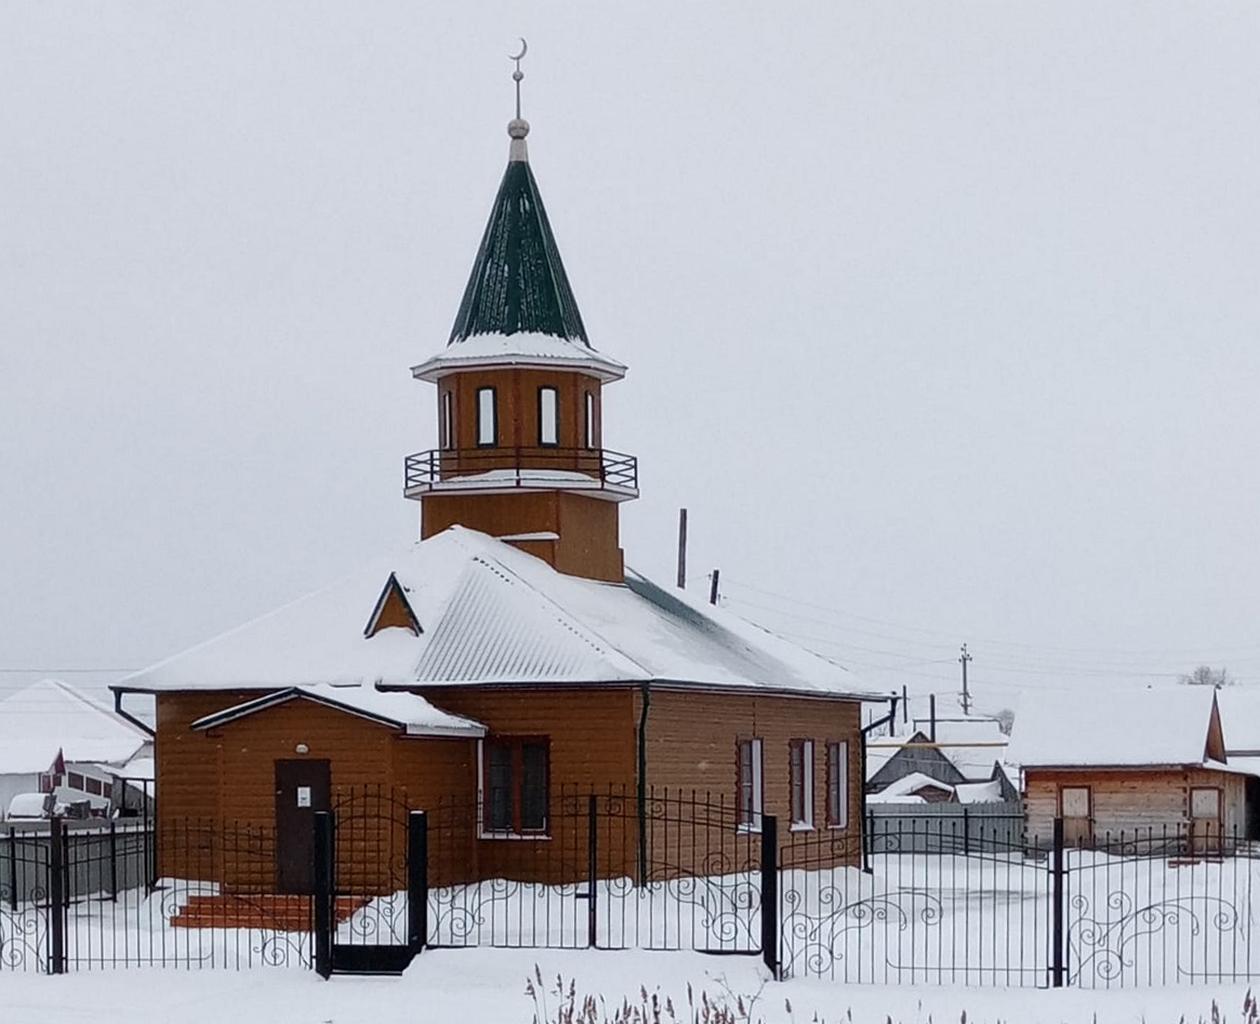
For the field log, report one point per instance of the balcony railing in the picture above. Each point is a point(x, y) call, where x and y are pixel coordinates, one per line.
point(486, 469)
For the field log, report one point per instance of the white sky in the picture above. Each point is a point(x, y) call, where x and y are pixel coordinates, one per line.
point(940, 317)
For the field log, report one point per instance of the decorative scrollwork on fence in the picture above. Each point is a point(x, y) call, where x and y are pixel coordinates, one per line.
point(814, 939)
point(729, 909)
point(23, 937)
point(1102, 939)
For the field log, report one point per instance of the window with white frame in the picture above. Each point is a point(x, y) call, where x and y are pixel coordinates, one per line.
point(487, 418)
point(838, 785)
point(548, 417)
point(751, 792)
point(590, 420)
point(447, 422)
point(801, 778)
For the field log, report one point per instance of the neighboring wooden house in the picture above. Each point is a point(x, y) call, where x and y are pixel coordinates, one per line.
point(507, 657)
point(952, 752)
point(57, 741)
point(1129, 766)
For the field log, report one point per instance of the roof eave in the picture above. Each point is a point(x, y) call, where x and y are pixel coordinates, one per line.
point(443, 365)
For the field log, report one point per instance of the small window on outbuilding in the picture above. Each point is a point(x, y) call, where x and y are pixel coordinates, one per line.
point(487, 418)
point(548, 417)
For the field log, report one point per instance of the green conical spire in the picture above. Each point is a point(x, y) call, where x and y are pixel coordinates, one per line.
point(518, 283)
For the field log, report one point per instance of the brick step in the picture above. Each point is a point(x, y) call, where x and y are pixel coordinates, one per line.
point(265, 910)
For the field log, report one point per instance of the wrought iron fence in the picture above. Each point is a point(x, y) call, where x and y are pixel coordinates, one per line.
point(665, 870)
point(452, 469)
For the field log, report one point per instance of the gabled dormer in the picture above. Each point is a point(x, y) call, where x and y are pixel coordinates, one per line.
point(519, 400)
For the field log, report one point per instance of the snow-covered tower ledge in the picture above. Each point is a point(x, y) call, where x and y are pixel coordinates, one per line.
point(520, 439)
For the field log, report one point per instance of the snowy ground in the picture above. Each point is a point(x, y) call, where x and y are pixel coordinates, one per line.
point(488, 986)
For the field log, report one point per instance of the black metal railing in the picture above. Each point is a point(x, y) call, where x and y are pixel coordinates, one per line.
point(959, 900)
point(597, 468)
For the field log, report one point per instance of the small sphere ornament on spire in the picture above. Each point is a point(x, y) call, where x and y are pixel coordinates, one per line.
point(518, 127)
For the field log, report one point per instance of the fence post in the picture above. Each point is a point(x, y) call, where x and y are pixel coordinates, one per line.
point(57, 896)
point(13, 892)
point(1057, 874)
point(770, 893)
point(868, 845)
point(966, 832)
point(324, 917)
point(113, 861)
point(417, 880)
point(592, 829)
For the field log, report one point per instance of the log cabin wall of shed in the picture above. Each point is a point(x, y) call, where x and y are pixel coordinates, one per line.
point(1130, 800)
point(692, 744)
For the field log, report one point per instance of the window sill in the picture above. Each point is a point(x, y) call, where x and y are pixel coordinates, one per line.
point(801, 826)
point(517, 837)
point(838, 828)
point(748, 829)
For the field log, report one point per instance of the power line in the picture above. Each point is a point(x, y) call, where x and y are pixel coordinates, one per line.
point(1218, 649)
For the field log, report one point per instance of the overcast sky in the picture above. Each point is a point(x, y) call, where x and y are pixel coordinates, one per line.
point(941, 318)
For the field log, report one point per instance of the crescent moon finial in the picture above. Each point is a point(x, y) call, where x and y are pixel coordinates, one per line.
point(518, 74)
point(524, 50)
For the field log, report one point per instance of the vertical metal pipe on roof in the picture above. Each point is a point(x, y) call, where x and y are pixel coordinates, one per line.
point(682, 549)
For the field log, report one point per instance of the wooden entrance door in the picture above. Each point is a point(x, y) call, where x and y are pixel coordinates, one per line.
point(302, 788)
point(1207, 820)
point(1076, 807)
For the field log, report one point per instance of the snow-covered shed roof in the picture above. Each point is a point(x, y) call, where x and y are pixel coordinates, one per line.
point(1125, 727)
point(49, 718)
point(414, 715)
point(979, 792)
point(492, 614)
point(1240, 719)
point(914, 783)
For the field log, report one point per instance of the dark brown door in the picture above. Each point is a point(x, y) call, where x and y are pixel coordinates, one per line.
point(301, 790)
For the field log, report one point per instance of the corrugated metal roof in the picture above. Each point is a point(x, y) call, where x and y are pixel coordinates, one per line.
point(491, 613)
point(497, 628)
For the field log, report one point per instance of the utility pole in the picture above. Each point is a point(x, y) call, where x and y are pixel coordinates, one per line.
point(682, 549)
point(713, 585)
point(963, 659)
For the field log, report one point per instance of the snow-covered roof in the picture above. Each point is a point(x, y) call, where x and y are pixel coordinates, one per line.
point(913, 783)
point(412, 714)
point(492, 614)
point(50, 717)
point(519, 349)
point(1240, 719)
point(979, 792)
point(971, 745)
point(1123, 727)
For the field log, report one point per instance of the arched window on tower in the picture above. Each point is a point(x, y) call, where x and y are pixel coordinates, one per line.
point(487, 418)
point(548, 417)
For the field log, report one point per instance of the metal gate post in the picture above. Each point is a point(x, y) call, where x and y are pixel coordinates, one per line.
point(1057, 874)
point(324, 917)
point(592, 828)
point(770, 893)
point(417, 880)
point(57, 896)
point(13, 892)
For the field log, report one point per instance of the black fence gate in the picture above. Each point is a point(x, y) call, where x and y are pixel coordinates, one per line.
point(370, 893)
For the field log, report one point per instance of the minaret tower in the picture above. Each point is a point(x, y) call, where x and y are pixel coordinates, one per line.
point(520, 451)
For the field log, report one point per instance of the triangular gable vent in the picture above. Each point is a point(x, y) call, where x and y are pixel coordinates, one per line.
point(392, 609)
